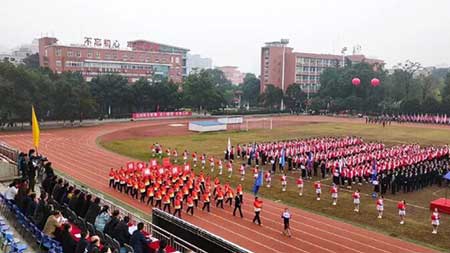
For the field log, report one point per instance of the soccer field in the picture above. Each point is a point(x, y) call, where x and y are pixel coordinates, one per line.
point(417, 227)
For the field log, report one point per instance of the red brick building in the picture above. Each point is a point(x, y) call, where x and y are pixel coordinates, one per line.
point(281, 66)
point(141, 59)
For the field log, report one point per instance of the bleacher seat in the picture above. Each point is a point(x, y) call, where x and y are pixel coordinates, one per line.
point(128, 248)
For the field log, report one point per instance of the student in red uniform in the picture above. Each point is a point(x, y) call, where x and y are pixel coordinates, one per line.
point(158, 198)
point(380, 206)
point(229, 196)
point(300, 185)
point(242, 171)
point(195, 198)
point(206, 200)
point(166, 202)
point(283, 182)
point(317, 187)
point(257, 206)
point(150, 195)
point(334, 194)
point(142, 191)
point(435, 221)
point(111, 178)
point(268, 178)
point(219, 197)
point(402, 211)
point(190, 205)
point(356, 200)
point(177, 206)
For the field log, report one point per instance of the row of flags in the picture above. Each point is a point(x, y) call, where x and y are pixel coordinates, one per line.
point(438, 118)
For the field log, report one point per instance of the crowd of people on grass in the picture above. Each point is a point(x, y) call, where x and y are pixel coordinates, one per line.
point(348, 160)
point(423, 118)
point(46, 211)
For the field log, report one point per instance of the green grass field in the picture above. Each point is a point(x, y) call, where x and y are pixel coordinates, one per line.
point(417, 227)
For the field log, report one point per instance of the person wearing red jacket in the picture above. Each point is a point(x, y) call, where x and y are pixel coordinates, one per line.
point(112, 173)
point(435, 221)
point(177, 206)
point(257, 206)
point(219, 198)
point(317, 187)
point(158, 198)
point(150, 195)
point(166, 202)
point(206, 200)
point(334, 194)
point(190, 205)
point(402, 211)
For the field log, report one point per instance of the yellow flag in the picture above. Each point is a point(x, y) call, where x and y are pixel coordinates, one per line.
point(35, 128)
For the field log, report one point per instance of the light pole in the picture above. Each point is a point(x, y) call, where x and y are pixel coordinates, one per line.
point(283, 43)
point(344, 49)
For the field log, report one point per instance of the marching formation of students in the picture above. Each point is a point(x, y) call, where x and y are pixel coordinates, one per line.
point(349, 160)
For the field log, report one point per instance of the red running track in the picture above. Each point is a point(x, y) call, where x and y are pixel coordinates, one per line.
point(75, 152)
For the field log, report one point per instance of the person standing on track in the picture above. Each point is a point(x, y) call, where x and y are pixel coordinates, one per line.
point(190, 205)
point(237, 206)
point(257, 204)
point(240, 193)
point(380, 206)
point(317, 187)
point(158, 198)
point(230, 168)
point(166, 201)
point(177, 205)
point(435, 221)
point(220, 166)
point(356, 200)
point(206, 200)
point(402, 211)
point(300, 185)
point(286, 215)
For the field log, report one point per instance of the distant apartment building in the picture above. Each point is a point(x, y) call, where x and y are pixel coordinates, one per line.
point(281, 66)
point(140, 59)
point(195, 63)
point(232, 74)
point(17, 56)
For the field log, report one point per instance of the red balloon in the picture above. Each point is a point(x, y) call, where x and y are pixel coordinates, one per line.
point(356, 81)
point(375, 82)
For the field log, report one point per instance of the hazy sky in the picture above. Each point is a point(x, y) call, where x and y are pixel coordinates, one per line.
point(232, 32)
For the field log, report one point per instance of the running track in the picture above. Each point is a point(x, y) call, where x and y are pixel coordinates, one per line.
point(75, 152)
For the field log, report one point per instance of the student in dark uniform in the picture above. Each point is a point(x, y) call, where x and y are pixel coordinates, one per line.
point(237, 205)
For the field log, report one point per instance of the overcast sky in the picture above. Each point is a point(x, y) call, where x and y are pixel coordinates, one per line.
point(231, 32)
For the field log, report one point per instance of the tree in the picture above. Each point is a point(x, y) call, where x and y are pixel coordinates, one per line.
point(446, 90)
point(272, 96)
point(405, 75)
point(295, 97)
point(428, 85)
point(112, 91)
point(200, 92)
point(250, 89)
point(32, 61)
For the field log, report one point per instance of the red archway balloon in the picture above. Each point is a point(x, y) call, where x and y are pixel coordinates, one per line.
point(356, 81)
point(375, 82)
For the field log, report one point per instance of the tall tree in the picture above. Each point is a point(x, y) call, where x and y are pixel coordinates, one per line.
point(250, 89)
point(271, 97)
point(32, 61)
point(295, 97)
point(200, 92)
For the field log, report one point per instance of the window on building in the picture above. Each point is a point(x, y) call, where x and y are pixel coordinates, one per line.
point(78, 54)
point(107, 56)
point(131, 56)
point(97, 54)
point(58, 63)
point(89, 54)
point(177, 60)
point(114, 55)
point(69, 53)
point(58, 52)
point(125, 57)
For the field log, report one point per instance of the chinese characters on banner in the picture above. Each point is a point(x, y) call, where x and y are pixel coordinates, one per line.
point(148, 115)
